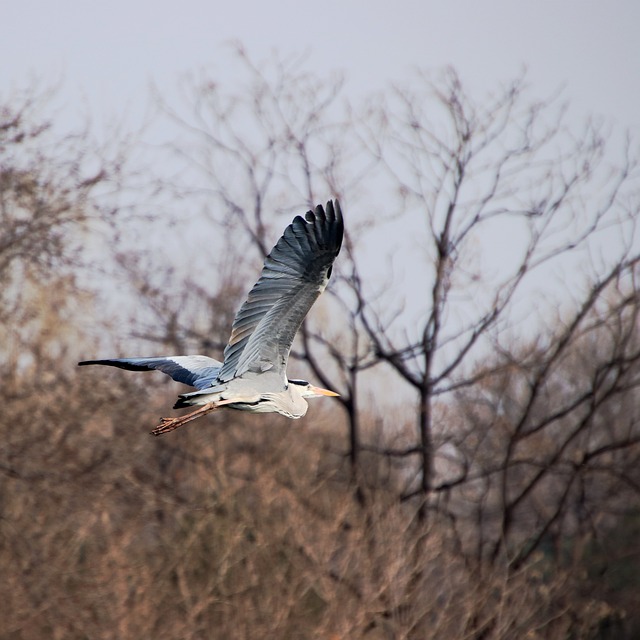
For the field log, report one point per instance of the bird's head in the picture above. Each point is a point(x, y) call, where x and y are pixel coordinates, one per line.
point(307, 390)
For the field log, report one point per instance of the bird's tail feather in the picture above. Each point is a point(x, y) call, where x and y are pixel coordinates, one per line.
point(203, 396)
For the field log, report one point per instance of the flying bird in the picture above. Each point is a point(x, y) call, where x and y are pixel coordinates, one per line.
point(253, 375)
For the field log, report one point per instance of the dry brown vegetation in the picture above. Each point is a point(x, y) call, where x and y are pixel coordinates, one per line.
point(501, 500)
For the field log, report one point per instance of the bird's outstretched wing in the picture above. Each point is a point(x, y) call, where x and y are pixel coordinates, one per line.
point(196, 371)
point(294, 274)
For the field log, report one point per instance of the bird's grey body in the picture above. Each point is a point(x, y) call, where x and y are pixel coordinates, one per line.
point(252, 376)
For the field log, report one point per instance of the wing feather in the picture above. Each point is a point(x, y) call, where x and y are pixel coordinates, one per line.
point(197, 371)
point(294, 274)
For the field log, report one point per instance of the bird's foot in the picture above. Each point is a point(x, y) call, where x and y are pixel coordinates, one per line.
point(170, 424)
point(166, 425)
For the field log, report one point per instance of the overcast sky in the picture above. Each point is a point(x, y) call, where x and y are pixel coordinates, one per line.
point(109, 52)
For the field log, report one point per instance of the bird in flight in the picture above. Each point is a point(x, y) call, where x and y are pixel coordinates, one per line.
point(253, 375)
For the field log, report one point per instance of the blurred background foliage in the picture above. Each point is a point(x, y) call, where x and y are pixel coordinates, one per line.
point(479, 475)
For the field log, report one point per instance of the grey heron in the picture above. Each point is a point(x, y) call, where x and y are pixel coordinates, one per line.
point(252, 376)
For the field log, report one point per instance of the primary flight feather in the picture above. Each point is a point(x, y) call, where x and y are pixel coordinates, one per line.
point(252, 376)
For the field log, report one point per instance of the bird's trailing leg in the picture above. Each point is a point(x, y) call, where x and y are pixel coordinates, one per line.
point(169, 424)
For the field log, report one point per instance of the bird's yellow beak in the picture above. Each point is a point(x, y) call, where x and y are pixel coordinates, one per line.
point(323, 392)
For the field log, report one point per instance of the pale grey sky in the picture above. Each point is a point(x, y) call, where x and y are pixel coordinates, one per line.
point(109, 52)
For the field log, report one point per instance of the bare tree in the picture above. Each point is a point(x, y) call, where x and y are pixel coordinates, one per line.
point(283, 133)
point(466, 171)
point(502, 452)
point(50, 181)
